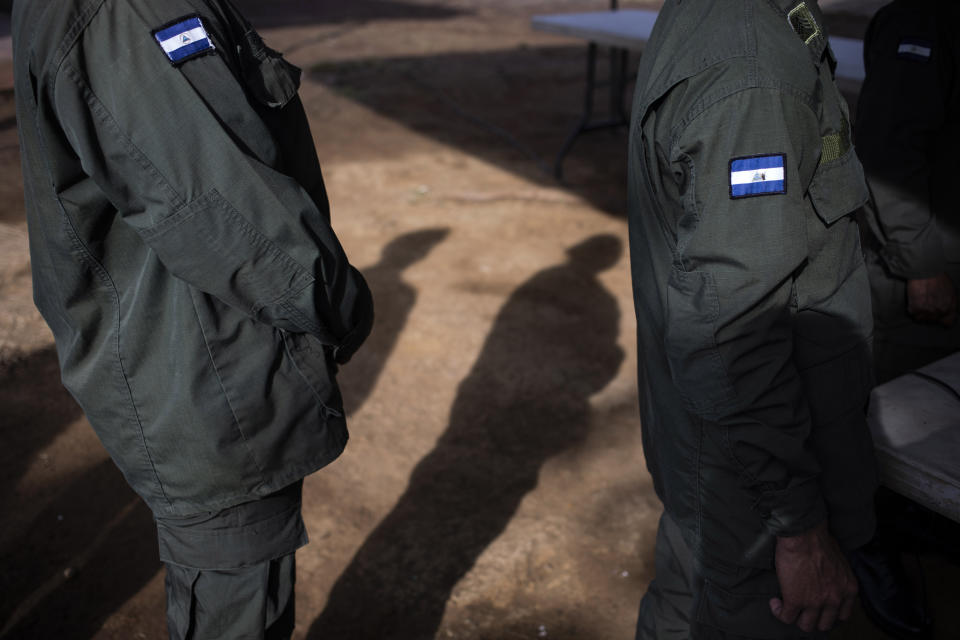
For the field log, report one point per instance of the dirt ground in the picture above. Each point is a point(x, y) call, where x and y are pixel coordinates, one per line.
point(494, 487)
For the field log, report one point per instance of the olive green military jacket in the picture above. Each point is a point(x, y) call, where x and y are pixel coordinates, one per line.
point(907, 134)
point(752, 302)
point(181, 245)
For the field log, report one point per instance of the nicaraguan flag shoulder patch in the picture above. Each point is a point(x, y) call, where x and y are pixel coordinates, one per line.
point(184, 39)
point(915, 49)
point(758, 175)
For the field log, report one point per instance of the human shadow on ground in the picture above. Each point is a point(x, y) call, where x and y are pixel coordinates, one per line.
point(35, 409)
point(91, 547)
point(552, 346)
point(513, 108)
point(94, 545)
point(394, 300)
point(89, 551)
point(283, 13)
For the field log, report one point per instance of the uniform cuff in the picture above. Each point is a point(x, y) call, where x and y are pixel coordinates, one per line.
point(794, 510)
point(923, 257)
point(363, 317)
point(853, 529)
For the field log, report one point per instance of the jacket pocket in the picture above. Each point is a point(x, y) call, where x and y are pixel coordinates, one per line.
point(316, 366)
point(838, 188)
point(695, 364)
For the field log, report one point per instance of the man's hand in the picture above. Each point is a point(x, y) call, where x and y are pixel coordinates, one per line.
point(932, 300)
point(816, 583)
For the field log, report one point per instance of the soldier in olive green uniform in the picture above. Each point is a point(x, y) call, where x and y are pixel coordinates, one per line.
point(754, 321)
point(183, 256)
point(908, 132)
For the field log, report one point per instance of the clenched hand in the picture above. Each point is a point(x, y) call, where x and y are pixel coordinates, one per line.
point(816, 583)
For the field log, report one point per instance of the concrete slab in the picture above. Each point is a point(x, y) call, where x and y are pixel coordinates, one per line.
point(915, 420)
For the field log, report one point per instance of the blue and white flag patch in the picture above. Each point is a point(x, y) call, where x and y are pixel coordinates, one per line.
point(184, 39)
point(915, 49)
point(758, 175)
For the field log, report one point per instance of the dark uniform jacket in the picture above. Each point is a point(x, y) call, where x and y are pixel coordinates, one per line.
point(752, 300)
point(181, 245)
point(907, 134)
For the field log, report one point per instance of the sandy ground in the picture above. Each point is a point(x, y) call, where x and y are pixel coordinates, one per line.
point(494, 486)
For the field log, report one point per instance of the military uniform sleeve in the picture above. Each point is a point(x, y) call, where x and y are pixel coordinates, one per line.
point(742, 166)
point(901, 113)
point(191, 167)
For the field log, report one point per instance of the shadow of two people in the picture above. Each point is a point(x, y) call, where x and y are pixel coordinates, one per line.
point(552, 346)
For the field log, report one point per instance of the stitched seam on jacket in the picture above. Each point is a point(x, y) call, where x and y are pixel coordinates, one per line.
point(257, 239)
point(302, 319)
point(712, 100)
point(327, 410)
point(100, 111)
point(226, 394)
point(73, 35)
point(700, 438)
point(102, 273)
point(253, 234)
point(287, 295)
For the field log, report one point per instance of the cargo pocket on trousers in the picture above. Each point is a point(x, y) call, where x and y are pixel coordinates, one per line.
point(179, 584)
point(695, 364)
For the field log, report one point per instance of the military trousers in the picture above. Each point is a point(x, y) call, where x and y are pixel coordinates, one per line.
point(686, 601)
point(231, 574)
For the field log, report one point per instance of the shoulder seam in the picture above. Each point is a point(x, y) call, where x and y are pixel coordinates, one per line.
point(711, 101)
point(73, 34)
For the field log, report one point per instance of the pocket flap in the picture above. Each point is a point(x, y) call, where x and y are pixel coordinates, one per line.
point(316, 366)
point(838, 188)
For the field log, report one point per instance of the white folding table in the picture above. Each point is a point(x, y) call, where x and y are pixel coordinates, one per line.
point(622, 30)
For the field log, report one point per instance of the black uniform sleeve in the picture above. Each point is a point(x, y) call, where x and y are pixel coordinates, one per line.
point(200, 185)
point(901, 117)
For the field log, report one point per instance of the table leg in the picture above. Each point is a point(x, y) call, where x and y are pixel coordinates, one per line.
point(619, 59)
point(587, 110)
